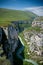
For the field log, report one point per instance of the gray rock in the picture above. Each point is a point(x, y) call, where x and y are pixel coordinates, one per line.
point(0, 34)
point(12, 37)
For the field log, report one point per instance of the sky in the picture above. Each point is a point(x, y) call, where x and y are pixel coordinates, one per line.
point(35, 6)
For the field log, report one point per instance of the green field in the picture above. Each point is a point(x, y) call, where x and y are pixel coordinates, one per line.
point(7, 15)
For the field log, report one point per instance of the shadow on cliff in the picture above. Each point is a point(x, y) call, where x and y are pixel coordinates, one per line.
point(18, 54)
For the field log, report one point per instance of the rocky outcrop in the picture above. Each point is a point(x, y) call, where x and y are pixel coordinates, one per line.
point(0, 34)
point(12, 37)
point(35, 36)
point(12, 46)
point(36, 42)
point(38, 22)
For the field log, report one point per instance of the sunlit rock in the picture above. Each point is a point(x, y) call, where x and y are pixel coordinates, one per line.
point(36, 43)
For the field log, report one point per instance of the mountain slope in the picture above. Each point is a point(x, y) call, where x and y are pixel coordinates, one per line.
point(7, 15)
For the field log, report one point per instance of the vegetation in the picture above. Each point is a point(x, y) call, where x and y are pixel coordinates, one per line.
point(7, 15)
point(26, 63)
point(32, 56)
point(37, 29)
point(26, 50)
point(4, 61)
point(40, 18)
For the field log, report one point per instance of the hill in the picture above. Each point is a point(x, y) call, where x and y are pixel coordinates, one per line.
point(7, 15)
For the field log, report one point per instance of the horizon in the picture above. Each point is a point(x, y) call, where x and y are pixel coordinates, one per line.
point(35, 6)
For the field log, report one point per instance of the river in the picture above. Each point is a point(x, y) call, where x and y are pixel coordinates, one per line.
point(20, 50)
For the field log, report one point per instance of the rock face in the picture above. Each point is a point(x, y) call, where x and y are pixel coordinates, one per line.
point(36, 44)
point(3, 41)
point(38, 22)
point(6, 31)
point(13, 41)
point(0, 34)
point(11, 45)
point(35, 37)
point(38, 39)
point(12, 37)
point(20, 25)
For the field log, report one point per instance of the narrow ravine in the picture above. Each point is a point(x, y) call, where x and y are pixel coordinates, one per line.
point(20, 51)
